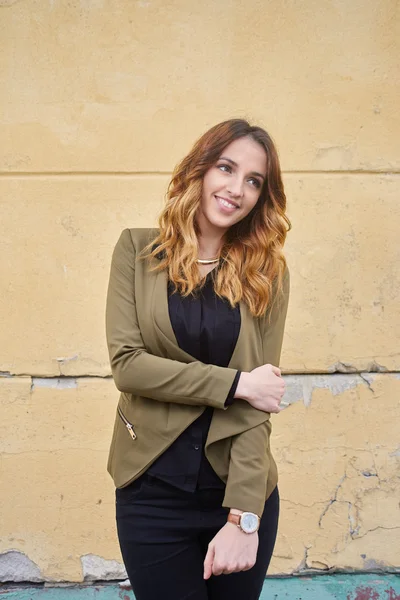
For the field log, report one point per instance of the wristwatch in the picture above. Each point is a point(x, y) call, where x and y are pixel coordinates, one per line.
point(247, 521)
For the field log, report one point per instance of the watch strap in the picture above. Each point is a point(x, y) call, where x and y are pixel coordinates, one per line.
point(235, 519)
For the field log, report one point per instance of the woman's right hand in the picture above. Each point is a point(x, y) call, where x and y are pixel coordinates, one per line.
point(263, 388)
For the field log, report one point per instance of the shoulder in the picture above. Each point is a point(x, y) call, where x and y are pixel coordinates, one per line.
point(282, 285)
point(286, 277)
point(132, 241)
point(283, 291)
point(137, 237)
point(142, 235)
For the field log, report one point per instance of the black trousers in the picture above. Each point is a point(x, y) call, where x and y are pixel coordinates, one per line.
point(164, 533)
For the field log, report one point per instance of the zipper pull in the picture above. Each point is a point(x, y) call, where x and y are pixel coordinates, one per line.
point(128, 425)
point(131, 431)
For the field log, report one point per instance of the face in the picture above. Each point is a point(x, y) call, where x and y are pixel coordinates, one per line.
point(233, 185)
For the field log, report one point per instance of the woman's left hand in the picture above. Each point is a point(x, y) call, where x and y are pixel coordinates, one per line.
point(230, 551)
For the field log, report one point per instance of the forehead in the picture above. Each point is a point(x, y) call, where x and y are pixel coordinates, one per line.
point(248, 154)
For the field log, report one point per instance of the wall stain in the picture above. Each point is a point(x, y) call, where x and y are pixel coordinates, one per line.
point(368, 593)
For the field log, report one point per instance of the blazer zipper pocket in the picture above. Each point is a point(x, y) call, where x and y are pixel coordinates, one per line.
point(128, 425)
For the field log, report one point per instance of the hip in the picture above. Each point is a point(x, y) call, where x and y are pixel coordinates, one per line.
point(150, 505)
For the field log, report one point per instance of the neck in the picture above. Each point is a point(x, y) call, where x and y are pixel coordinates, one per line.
point(210, 241)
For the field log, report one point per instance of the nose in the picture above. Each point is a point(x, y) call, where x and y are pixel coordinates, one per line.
point(235, 186)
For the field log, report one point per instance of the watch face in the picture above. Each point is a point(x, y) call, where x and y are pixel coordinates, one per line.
point(249, 522)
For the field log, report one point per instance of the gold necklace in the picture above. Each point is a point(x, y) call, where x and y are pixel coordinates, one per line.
point(207, 261)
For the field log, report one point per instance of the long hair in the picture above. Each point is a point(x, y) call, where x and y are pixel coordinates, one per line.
point(252, 263)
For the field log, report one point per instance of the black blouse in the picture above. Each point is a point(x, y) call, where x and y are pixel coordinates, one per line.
point(206, 327)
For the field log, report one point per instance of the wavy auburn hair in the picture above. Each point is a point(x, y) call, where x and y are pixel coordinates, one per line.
point(252, 262)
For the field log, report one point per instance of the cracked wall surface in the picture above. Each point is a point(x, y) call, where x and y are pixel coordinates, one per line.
point(339, 464)
point(340, 478)
point(91, 128)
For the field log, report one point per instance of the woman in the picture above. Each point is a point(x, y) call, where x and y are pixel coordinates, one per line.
point(195, 318)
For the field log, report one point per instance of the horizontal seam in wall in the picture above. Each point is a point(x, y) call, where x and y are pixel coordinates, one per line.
point(55, 174)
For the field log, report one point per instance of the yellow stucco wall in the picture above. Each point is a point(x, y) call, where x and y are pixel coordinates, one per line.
point(99, 101)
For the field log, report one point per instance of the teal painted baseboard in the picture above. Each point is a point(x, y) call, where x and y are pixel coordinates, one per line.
point(321, 587)
point(333, 587)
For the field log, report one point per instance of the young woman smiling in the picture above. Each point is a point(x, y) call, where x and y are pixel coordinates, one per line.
point(195, 318)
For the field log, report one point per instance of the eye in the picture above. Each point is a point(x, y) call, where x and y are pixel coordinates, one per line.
point(255, 182)
point(224, 168)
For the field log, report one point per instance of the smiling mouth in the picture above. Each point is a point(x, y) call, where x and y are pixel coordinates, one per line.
point(227, 203)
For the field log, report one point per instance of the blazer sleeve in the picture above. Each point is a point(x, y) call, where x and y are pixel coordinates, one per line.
point(249, 462)
point(273, 324)
point(134, 369)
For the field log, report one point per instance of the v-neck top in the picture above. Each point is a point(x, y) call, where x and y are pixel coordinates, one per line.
point(206, 327)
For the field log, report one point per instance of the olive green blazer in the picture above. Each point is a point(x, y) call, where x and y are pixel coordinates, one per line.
point(164, 389)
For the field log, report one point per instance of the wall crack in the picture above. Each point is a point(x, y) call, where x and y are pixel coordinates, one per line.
point(332, 500)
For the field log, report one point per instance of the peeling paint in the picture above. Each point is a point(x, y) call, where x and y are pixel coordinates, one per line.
point(96, 568)
point(369, 474)
point(17, 567)
point(301, 387)
point(374, 565)
point(321, 587)
point(59, 383)
point(364, 593)
point(343, 367)
point(320, 566)
point(64, 359)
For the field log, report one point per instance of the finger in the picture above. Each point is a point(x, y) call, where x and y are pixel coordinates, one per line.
point(228, 569)
point(208, 562)
point(217, 569)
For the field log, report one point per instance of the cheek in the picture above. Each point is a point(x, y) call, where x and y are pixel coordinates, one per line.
point(205, 187)
point(212, 182)
point(208, 191)
point(251, 203)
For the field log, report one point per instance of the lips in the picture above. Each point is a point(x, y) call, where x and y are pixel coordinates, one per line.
point(227, 204)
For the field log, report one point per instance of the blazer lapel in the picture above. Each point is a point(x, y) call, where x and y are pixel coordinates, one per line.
point(246, 355)
point(245, 346)
point(162, 322)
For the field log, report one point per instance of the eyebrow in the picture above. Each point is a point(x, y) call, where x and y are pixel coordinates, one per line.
point(235, 165)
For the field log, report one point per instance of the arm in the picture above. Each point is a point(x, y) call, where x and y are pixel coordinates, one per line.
point(247, 477)
point(135, 371)
point(248, 472)
point(232, 550)
point(263, 387)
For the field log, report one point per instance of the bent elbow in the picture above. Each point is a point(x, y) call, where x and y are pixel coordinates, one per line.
point(122, 382)
point(125, 372)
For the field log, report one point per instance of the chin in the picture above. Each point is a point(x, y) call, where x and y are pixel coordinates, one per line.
point(216, 221)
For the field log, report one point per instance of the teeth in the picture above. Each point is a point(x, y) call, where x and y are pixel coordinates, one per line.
point(225, 203)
